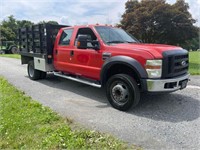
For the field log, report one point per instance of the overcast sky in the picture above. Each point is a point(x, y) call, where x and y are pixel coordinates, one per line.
point(74, 12)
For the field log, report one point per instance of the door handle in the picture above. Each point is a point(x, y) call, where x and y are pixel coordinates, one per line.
point(56, 52)
point(71, 53)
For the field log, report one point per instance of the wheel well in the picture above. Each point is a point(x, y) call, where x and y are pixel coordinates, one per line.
point(119, 69)
point(26, 59)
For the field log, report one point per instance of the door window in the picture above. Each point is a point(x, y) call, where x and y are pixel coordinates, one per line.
point(90, 34)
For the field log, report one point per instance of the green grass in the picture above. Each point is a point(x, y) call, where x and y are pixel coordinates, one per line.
point(194, 66)
point(11, 55)
point(26, 124)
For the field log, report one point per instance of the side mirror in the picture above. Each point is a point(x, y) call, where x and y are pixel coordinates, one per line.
point(96, 45)
point(82, 42)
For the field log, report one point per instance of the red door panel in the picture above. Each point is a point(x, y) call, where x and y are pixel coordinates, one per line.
point(87, 62)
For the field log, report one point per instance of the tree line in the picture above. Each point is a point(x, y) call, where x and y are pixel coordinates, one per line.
point(151, 21)
point(9, 27)
point(155, 21)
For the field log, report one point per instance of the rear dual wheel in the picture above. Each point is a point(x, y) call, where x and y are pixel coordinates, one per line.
point(122, 92)
point(33, 73)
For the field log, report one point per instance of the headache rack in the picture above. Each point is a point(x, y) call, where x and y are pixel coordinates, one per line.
point(38, 40)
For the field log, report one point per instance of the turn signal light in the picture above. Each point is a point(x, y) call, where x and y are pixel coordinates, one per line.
point(152, 67)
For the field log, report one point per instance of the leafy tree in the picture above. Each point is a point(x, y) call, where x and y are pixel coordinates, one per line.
point(50, 22)
point(53, 22)
point(182, 23)
point(156, 21)
point(6, 34)
point(9, 28)
point(11, 23)
point(24, 23)
point(194, 43)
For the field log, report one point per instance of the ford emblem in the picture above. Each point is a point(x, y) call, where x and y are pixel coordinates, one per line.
point(183, 63)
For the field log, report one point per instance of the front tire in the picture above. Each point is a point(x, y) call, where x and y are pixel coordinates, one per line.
point(122, 92)
point(32, 72)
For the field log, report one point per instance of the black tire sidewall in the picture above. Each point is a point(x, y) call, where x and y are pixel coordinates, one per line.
point(134, 93)
point(36, 73)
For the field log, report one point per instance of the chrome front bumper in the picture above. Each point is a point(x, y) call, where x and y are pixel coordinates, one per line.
point(167, 85)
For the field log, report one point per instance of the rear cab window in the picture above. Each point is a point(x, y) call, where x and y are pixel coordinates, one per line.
point(65, 37)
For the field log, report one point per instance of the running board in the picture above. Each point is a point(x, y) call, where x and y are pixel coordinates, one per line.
point(77, 80)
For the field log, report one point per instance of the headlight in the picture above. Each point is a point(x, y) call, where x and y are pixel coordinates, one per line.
point(154, 68)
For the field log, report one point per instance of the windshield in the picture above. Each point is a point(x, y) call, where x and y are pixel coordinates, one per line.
point(112, 35)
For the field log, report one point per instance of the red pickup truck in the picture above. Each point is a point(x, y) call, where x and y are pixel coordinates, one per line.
point(104, 56)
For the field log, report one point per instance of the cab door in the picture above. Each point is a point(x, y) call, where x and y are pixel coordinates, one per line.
point(86, 62)
point(62, 51)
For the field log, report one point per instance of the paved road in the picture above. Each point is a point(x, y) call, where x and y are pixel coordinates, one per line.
point(169, 121)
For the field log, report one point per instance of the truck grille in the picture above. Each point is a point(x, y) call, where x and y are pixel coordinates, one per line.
point(175, 63)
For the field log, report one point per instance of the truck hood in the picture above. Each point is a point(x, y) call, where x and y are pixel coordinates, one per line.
point(155, 49)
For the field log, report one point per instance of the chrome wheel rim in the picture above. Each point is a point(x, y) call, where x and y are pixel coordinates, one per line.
point(120, 93)
point(31, 70)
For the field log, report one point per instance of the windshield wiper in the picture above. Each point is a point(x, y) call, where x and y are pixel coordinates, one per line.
point(116, 42)
point(131, 42)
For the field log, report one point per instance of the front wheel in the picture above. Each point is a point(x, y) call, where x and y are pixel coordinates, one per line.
point(122, 92)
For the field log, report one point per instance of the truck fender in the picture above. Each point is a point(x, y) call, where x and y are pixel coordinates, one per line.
point(130, 62)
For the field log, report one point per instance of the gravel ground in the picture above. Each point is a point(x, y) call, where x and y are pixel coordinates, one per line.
point(170, 121)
